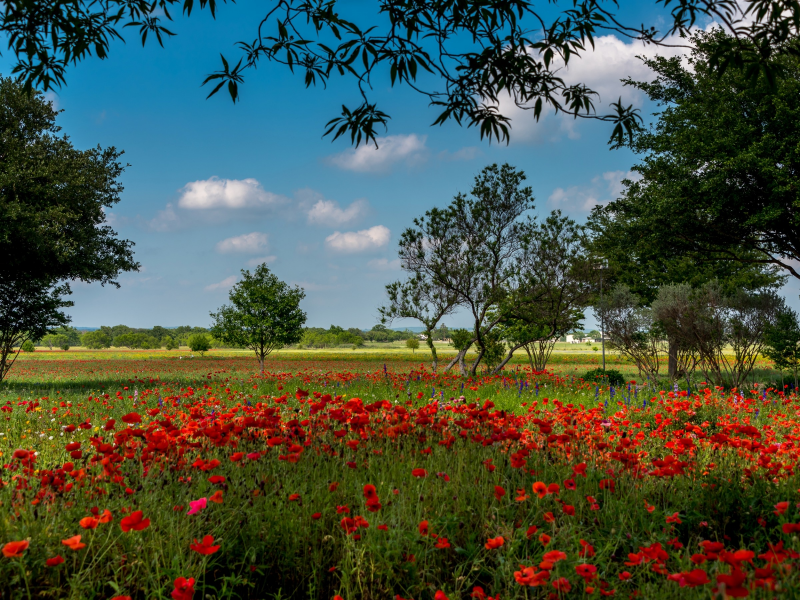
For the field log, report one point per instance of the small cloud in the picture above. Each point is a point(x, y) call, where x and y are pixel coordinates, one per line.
point(391, 150)
point(359, 241)
point(466, 153)
point(328, 212)
point(602, 190)
point(165, 220)
point(254, 262)
point(51, 97)
point(216, 193)
point(248, 243)
point(384, 264)
point(222, 285)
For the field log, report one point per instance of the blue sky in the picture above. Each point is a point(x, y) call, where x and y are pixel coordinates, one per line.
point(213, 187)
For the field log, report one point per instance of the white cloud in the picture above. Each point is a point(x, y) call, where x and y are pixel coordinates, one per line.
point(602, 190)
point(465, 153)
point(222, 285)
point(227, 194)
point(391, 150)
point(254, 262)
point(328, 212)
point(601, 69)
point(248, 243)
point(359, 241)
point(165, 220)
point(384, 264)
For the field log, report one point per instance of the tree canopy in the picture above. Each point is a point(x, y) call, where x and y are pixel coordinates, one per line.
point(264, 314)
point(462, 56)
point(717, 194)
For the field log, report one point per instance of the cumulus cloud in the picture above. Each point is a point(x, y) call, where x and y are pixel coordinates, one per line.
point(328, 212)
point(233, 194)
point(222, 285)
point(600, 69)
point(393, 149)
point(359, 241)
point(601, 190)
point(248, 243)
point(384, 264)
point(254, 262)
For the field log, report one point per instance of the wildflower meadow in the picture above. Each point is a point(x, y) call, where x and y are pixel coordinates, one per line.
point(159, 477)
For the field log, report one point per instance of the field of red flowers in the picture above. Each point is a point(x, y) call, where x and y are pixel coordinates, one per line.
point(168, 478)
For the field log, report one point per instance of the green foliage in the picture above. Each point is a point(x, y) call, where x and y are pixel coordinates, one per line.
point(782, 342)
point(28, 346)
point(412, 343)
point(170, 343)
point(263, 315)
point(686, 221)
point(605, 377)
point(95, 340)
point(461, 339)
point(199, 342)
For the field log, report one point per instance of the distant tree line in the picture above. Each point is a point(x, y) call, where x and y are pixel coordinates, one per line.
point(319, 337)
point(122, 336)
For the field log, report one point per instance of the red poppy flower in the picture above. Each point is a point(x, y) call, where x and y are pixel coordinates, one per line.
point(624, 576)
point(544, 539)
point(73, 543)
point(674, 518)
point(215, 479)
point(553, 488)
point(780, 508)
point(205, 547)
point(440, 595)
point(121, 598)
point(531, 531)
point(419, 473)
point(423, 528)
point(89, 522)
point(184, 589)
point(332, 487)
point(493, 543)
point(134, 521)
point(442, 543)
point(370, 493)
point(540, 489)
point(587, 550)
point(568, 510)
point(216, 497)
point(131, 418)
point(499, 492)
point(15, 549)
point(562, 585)
point(55, 561)
point(294, 497)
point(569, 484)
point(588, 572)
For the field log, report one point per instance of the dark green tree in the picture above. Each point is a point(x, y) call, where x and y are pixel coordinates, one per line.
point(52, 220)
point(461, 57)
point(264, 314)
point(718, 176)
point(95, 340)
point(199, 342)
point(28, 310)
point(782, 342)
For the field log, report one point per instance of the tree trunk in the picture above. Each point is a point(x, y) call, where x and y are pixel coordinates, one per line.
point(504, 362)
point(672, 362)
point(434, 357)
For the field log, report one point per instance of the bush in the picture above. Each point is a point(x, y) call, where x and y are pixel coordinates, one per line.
point(170, 343)
point(28, 346)
point(609, 376)
point(199, 342)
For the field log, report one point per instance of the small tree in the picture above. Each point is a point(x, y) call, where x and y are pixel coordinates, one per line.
point(94, 340)
point(264, 314)
point(199, 342)
point(412, 343)
point(170, 343)
point(782, 342)
point(461, 340)
point(28, 346)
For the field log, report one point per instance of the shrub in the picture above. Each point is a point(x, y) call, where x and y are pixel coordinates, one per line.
point(609, 376)
point(199, 342)
point(28, 346)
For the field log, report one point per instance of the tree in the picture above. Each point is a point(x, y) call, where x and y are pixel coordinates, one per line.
point(52, 223)
point(199, 342)
point(421, 299)
point(169, 343)
point(474, 54)
point(94, 340)
point(28, 310)
point(467, 251)
point(632, 329)
point(720, 166)
point(264, 314)
point(553, 281)
point(27, 346)
point(412, 343)
point(782, 342)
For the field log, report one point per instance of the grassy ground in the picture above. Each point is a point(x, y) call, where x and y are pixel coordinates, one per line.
point(517, 486)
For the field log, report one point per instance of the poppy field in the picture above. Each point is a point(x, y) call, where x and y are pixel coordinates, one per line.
point(171, 478)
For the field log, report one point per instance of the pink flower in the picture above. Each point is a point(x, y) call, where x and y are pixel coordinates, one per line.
point(197, 505)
